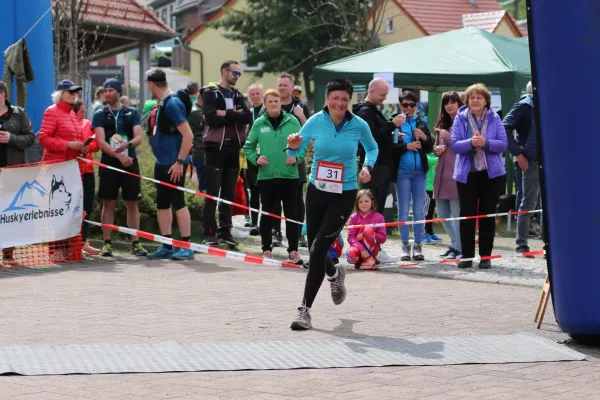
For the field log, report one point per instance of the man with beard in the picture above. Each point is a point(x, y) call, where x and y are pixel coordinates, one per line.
point(226, 115)
point(118, 132)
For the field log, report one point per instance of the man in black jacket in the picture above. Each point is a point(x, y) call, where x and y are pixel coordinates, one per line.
point(226, 114)
point(383, 133)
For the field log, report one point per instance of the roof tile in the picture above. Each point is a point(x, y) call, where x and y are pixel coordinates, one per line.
point(437, 16)
point(127, 13)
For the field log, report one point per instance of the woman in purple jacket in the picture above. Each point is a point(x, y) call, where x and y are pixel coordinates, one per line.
point(445, 192)
point(479, 139)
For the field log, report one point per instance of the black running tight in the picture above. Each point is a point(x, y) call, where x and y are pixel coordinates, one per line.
point(326, 215)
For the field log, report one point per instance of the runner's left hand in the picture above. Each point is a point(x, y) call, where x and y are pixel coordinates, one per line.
point(290, 160)
point(364, 176)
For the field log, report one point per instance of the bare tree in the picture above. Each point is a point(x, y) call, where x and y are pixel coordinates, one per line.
point(73, 45)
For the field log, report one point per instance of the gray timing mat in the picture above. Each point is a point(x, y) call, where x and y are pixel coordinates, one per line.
point(265, 355)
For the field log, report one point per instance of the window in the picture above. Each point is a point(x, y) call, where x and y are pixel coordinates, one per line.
point(163, 16)
point(171, 22)
point(245, 56)
point(389, 25)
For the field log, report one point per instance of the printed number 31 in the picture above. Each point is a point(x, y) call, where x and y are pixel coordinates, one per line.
point(332, 174)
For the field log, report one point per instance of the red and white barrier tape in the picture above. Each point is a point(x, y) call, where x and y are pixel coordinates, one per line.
point(194, 192)
point(425, 221)
point(386, 224)
point(232, 255)
point(529, 254)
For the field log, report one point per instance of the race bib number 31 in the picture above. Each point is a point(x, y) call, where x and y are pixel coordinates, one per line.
point(330, 177)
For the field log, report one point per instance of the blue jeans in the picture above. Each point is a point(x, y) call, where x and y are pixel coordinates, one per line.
point(450, 209)
point(411, 184)
point(199, 165)
point(530, 200)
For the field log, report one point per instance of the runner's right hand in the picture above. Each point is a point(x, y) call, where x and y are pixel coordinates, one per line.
point(294, 141)
point(262, 160)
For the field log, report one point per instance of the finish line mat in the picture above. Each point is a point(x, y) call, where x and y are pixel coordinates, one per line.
point(265, 355)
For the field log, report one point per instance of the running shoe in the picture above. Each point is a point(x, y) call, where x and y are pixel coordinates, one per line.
point(302, 242)
point(210, 240)
point(254, 231)
point(418, 252)
point(183, 254)
point(427, 239)
point(524, 249)
point(138, 250)
point(485, 264)
point(106, 250)
point(447, 253)
point(277, 239)
point(465, 264)
point(454, 255)
point(302, 321)
point(338, 289)
point(405, 252)
point(368, 262)
point(435, 237)
point(267, 254)
point(225, 237)
point(295, 258)
point(161, 253)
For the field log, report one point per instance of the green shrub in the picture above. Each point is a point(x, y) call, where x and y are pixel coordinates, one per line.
point(147, 204)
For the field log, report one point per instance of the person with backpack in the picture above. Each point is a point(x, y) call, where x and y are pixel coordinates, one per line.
point(196, 121)
point(226, 115)
point(171, 140)
point(118, 132)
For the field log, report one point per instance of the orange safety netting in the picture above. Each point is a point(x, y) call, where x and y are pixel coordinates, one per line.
point(41, 254)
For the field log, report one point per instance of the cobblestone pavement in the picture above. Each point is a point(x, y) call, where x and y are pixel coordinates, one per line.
point(128, 300)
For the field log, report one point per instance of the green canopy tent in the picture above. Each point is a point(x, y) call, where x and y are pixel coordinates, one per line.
point(447, 61)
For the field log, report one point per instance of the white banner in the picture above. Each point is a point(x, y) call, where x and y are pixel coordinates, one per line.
point(40, 204)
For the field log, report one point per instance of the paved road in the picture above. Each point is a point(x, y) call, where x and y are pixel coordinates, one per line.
point(129, 300)
point(176, 79)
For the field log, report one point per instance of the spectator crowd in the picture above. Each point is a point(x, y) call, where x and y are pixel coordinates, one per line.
point(267, 145)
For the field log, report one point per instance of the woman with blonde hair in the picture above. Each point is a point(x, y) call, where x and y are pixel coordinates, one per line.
point(479, 139)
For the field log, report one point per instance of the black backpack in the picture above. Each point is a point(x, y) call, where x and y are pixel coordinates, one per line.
point(164, 124)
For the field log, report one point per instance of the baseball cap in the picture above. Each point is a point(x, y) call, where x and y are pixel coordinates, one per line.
point(67, 85)
point(298, 89)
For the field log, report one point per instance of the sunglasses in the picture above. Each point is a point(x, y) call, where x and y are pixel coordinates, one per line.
point(72, 91)
point(409, 105)
point(235, 73)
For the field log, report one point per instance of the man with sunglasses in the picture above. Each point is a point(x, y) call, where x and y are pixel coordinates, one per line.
point(226, 115)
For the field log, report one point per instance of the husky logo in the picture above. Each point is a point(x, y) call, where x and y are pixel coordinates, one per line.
point(59, 197)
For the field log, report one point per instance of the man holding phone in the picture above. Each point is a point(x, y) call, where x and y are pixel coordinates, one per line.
point(118, 132)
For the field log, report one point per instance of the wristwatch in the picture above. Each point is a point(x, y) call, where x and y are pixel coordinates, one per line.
point(180, 162)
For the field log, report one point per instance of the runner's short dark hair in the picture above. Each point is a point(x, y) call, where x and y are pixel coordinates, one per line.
point(157, 76)
point(339, 84)
point(227, 64)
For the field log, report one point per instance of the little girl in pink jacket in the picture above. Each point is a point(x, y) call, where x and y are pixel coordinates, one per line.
point(365, 242)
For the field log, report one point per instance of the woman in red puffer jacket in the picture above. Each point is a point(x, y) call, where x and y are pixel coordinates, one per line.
point(61, 135)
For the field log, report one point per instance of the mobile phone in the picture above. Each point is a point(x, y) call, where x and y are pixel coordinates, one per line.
point(89, 140)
